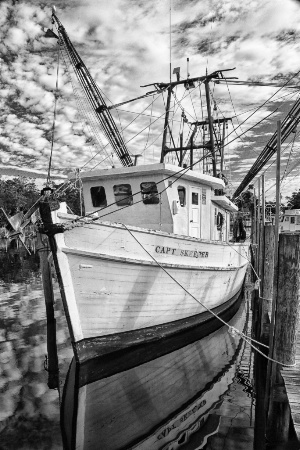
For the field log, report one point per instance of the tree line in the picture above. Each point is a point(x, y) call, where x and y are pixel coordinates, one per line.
point(20, 193)
point(246, 200)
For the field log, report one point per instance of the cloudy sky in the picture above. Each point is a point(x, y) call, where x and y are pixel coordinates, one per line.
point(126, 44)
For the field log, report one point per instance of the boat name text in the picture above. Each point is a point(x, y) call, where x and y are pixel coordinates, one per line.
point(179, 252)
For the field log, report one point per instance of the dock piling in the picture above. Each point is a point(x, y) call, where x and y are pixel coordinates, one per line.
point(52, 365)
point(285, 332)
point(288, 298)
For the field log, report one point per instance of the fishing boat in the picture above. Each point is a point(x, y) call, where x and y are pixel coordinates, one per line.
point(139, 408)
point(290, 221)
point(152, 255)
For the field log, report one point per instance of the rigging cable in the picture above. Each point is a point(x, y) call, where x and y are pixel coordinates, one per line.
point(265, 149)
point(86, 112)
point(231, 329)
point(54, 115)
point(149, 128)
point(288, 124)
point(94, 97)
point(125, 129)
point(239, 125)
point(292, 94)
point(288, 161)
point(267, 101)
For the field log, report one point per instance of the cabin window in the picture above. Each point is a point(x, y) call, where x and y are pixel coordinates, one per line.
point(298, 220)
point(287, 219)
point(181, 195)
point(149, 193)
point(293, 219)
point(98, 197)
point(195, 198)
point(123, 194)
point(203, 196)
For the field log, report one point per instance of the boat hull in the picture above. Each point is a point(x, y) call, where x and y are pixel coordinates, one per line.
point(117, 279)
point(159, 404)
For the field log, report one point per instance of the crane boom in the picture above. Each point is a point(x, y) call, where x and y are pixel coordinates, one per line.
point(94, 97)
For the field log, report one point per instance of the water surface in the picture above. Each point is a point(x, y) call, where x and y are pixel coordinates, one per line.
point(30, 411)
point(29, 414)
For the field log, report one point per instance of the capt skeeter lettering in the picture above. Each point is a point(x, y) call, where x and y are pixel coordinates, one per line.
point(179, 252)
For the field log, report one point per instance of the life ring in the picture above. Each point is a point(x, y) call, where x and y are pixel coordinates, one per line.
point(220, 221)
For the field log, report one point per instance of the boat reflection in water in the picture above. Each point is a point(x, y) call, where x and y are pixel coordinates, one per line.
point(167, 403)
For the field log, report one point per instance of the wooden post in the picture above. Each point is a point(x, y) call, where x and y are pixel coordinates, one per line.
point(268, 278)
point(254, 221)
point(274, 303)
point(288, 298)
point(287, 318)
point(262, 257)
point(271, 371)
point(52, 368)
point(278, 424)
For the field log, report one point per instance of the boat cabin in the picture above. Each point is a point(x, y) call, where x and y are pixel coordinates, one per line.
point(290, 221)
point(160, 197)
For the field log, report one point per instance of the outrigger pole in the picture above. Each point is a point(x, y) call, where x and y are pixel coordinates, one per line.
point(94, 96)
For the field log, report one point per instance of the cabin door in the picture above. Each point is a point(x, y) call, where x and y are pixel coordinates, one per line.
point(194, 217)
point(293, 223)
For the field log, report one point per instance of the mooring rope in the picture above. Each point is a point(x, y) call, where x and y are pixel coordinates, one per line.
point(232, 330)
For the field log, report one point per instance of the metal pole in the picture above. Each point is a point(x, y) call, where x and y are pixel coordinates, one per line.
point(263, 200)
point(258, 221)
point(211, 129)
point(166, 125)
point(254, 236)
point(222, 146)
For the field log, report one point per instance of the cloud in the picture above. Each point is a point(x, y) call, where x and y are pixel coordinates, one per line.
point(126, 45)
point(7, 170)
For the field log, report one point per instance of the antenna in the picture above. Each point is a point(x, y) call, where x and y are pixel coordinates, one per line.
point(170, 32)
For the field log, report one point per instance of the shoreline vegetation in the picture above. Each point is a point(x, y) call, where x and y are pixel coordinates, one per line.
point(20, 193)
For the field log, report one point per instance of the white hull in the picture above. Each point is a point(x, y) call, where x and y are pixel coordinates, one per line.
point(156, 405)
point(117, 279)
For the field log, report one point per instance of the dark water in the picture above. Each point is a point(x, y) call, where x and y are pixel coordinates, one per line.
point(30, 411)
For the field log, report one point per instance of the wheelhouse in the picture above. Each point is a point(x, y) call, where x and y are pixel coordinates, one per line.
point(290, 221)
point(160, 197)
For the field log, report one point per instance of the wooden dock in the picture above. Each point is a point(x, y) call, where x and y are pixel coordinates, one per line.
point(291, 377)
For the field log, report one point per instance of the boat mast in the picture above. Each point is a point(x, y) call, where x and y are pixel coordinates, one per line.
point(211, 127)
point(223, 147)
point(210, 122)
point(166, 124)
